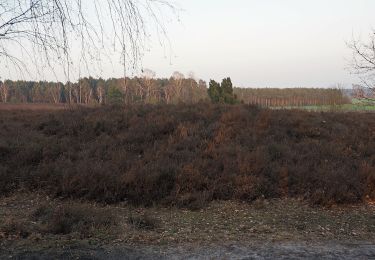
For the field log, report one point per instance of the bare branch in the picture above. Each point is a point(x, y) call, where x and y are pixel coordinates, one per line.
point(363, 61)
point(56, 32)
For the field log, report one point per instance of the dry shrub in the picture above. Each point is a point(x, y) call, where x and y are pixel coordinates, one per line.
point(368, 174)
point(284, 182)
point(7, 181)
point(246, 188)
point(143, 222)
point(192, 189)
point(190, 180)
point(196, 200)
point(187, 155)
point(78, 218)
point(262, 123)
point(182, 131)
point(15, 228)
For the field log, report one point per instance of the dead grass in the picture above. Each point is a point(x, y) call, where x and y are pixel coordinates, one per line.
point(268, 220)
point(66, 219)
point(41, 217)
point(14, 228)
point(143, 222)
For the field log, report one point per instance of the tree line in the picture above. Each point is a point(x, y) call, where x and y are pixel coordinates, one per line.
point(91, 91)
point(291, 97)
point(147, 89)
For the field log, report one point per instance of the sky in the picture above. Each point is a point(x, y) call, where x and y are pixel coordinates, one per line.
point(265, 43)
point(258, 43)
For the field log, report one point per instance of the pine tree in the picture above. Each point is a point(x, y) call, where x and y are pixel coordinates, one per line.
point(222, 93)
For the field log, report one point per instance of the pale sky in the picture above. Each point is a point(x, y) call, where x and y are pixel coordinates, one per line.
point(259, 43)
point(266, 43)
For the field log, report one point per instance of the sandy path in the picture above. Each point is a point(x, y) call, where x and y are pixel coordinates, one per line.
point(291, 250)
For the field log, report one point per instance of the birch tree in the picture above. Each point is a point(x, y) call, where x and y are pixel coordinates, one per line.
point(47, 33)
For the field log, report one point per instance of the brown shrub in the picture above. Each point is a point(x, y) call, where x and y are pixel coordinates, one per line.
point(15, 228)
point(188, 155)
point(368, 174)
point(144, 222)
point(78, 218)
point(246, 188)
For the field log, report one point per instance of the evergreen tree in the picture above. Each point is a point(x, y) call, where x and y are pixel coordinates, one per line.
point(227, 91)
point(222, 93)
point(115, 96)
point(214, 91)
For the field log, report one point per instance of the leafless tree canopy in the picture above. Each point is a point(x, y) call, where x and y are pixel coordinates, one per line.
point(363, 62)
point(50, 32)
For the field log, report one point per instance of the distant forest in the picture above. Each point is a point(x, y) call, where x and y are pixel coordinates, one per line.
point(92, 91)
point(148, 90)
point(273, 97)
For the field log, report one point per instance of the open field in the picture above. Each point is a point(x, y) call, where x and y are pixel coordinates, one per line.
point(328, 108)
point(354, 106)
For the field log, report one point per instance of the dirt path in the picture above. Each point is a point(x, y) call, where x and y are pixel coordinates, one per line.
point(32, 226)
point(290, 250)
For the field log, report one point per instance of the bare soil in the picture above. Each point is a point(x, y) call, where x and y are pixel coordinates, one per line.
point(261, 230)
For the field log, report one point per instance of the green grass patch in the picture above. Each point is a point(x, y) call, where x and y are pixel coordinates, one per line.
point(356, 105)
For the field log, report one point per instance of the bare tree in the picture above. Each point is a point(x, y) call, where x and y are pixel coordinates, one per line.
point(50, 32)
point(101, 91)
point(54, 92)
point(178, 76)
point(178, 79)
point(363, 62)
point(4, 91)
point(358, 91)
point(147, 77)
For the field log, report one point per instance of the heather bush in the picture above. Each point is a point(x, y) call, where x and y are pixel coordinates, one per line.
point(188, 155)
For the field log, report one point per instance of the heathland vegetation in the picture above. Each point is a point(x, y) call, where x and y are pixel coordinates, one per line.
point(188, 155)
point(113, 161)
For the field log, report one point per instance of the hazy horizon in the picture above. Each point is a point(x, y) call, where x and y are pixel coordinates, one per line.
point(290, 43)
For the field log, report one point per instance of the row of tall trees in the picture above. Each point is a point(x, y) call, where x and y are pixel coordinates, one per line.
point(31, 92)
point(148, 89)
point(144, 89)
point(273, 97)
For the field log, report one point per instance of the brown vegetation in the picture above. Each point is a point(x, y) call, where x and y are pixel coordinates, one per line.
point(65, 219)
point(33, 106)
point(33, 217)
point(188, 155)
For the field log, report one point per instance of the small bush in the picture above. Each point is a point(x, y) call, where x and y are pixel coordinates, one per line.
point(7, 181)
point(194, 200)
point(15, 228)
point(368, 175)
point(78, 218)
point(143, 222)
